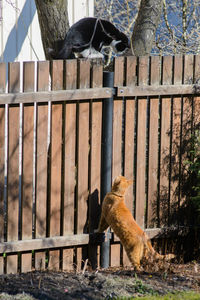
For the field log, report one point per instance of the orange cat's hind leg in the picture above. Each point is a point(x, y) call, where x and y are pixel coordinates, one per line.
point(135, 255)
point(103, 225)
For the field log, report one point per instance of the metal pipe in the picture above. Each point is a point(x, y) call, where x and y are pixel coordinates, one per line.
point(106, 159)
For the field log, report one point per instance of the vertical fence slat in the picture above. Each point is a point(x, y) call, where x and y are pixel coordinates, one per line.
point(140, 176)
point(56, 156)
point(2, 77)
point(95, 165)
point(2, 153)
point(83, 149)
point(129, 138)
point(165, 145)
point(27, 185)
point(83, 152)
point(175, 160)
point(131, 70)
point(117, 143)
point(41, 162)
point(153, 164)
point(187, 127)
point(129, 130)
point(175, 151)
point(141, 146)
point(13, 166)
point(153, 146)
point(70, 163)
point(2, 158)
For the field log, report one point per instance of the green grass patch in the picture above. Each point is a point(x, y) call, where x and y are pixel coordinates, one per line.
point(170, 296)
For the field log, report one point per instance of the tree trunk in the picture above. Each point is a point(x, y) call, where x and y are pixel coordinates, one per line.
point(145, 26)
point(54, 23)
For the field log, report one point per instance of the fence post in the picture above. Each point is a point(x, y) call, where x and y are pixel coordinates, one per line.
point(106, 159)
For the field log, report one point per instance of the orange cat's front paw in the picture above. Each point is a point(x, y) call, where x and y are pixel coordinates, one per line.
point(138, 268)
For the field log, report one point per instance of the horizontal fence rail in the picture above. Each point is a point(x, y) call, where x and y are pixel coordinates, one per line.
point(167, 90)
point(54, 96)
point(65, 241)
point(50, 154)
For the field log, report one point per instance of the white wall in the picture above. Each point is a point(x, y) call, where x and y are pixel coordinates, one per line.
point(20, 38)
point(78, 9)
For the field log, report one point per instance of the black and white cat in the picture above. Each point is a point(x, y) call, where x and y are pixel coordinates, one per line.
point(88, 36)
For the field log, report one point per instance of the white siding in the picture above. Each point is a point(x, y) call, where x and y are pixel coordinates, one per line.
point(78, 9)
point(20, 38)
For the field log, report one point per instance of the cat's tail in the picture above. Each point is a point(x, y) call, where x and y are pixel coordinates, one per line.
point(166, 257)
point(155, 254)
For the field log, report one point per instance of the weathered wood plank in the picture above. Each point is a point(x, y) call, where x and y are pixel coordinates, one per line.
point(83, 157)
point(131, 71)
point(98, 93)
point(2, 159)
point(119, 71)
point(129, 160)
point(95, 163)
point(13, 77)
point(2, 77)
point(56, 96)
point(71, 74)
point(44, 243)
point(187, 128)
point(141, 163)
point(56, 160)
point(178, 70)
point(67, 241)
point(141, 146)
point(129, 139)
point(1, 265)
point(153, 163)
point(70, 164)
point(160, 90)
point(27, 169)
point(176, 141)
point(153, 146)
point(188, 69)
point(154, 233)
point(13, 166)
point(83, 149)
point(165, 145)
point(175, 161)
point(41, 162)
point(164, 162)
point(117, 144)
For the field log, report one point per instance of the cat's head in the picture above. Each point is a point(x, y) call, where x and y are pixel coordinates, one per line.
point(121, 44)
point(120, 184)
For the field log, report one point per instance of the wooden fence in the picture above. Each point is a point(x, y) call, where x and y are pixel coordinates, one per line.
point(50, 153)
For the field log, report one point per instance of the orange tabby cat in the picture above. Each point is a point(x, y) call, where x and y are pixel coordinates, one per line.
point(118, 216)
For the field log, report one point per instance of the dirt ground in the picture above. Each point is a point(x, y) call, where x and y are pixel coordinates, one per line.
point(101, 284)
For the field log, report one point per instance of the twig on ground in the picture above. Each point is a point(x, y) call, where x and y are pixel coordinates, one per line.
point(85, 266)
